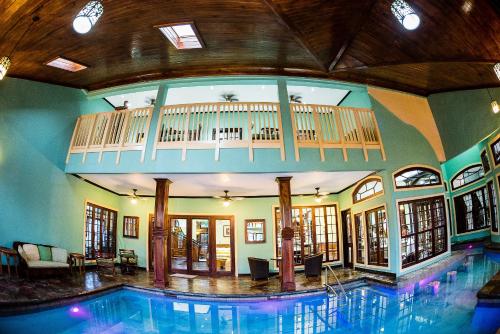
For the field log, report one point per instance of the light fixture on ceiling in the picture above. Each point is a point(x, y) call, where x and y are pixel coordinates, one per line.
point(88, 17)
point(6, 61)
point(496, 68)
point(226, 199)
point(134, 198)
point(318, 196)
point(494, 104)
point(405, 14)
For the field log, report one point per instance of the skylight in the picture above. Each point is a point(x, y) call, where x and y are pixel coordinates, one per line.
point(66, 64)
point(182, 36)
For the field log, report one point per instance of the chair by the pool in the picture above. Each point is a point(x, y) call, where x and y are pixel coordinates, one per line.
point(259, 268)
point(313, 265)
point(128, 261)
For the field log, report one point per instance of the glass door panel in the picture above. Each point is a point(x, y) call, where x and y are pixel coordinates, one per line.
point(223, 231)
point(319, 216)
point(178, 243)
point(200, 244)
point(297, 240)
point(307, 223)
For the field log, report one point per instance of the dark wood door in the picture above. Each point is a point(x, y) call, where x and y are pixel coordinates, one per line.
point(347, 238)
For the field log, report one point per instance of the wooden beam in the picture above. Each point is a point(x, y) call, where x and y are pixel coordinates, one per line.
point(160, 233)
point(287, 234)
point(361, 22)
point(294, 31)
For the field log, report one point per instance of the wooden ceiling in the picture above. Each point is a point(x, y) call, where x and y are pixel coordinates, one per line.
point(454, 48)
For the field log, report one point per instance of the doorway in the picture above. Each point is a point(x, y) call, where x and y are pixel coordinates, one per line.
point(347, 238)
point(202, 245)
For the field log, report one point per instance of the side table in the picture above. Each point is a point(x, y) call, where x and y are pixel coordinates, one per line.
point(9, 254)
point(77, 260)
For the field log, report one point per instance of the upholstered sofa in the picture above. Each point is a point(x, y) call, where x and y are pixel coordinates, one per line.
point(37, 260)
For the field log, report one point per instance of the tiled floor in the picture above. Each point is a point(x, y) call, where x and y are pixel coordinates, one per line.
point(17, 292)
point(22, 293)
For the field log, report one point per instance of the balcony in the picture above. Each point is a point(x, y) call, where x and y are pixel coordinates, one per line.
point(227, 125)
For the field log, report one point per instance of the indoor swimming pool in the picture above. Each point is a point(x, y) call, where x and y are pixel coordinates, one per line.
point(433, 305)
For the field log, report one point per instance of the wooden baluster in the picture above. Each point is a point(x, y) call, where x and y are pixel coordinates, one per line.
point(105, 135)
point(341, 132)
point(377, 130)
point(294, 131)
point(72, 141)
point(89, 136)
point(217, 139)
point(360, 131)
point(121, 136)
point(280, 129)
point(319, 133)
point(186, 132)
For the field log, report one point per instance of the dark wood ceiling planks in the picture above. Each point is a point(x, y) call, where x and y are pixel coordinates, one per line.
point(454, 48)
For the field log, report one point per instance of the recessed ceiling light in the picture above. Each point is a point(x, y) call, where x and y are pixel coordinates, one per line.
point(182, 35)
point(405, 14)
point(66, 64)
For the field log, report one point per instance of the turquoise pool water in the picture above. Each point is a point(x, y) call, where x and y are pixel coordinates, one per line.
point(447, 308)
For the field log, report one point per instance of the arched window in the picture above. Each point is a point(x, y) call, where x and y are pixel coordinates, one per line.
point(414, 177)
point(369, 188)
point(467, 176)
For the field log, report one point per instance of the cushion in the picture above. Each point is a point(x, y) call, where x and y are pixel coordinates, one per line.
point(45, 253)
point(59, 255)
point(21, 252)
point(47, 264)
point(31, 252)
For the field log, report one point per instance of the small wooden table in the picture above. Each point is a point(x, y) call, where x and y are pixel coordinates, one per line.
point(9, 254)
point(77, 260)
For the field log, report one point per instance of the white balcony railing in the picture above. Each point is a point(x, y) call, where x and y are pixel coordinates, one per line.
point(226, 125)
point(324, 126)
point(219, 126)
point(124, 130)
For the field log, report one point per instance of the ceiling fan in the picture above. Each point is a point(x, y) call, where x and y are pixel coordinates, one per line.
point(150, 101)
point(226, 199)
point(318, 196)
point(134, 198)
point(295, 98)
point(229, 97)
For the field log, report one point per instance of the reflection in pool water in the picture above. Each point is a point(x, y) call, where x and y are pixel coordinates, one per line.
point(448, 306)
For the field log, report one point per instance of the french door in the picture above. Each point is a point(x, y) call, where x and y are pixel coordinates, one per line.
point(202, 245)
point(316, 231)
point(347, 237)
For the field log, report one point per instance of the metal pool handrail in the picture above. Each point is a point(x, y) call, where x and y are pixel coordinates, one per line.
point(328, 286)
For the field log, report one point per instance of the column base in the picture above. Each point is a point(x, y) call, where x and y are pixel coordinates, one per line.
point(288, 286)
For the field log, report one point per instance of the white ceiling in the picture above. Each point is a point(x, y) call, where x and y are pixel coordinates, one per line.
point(244, 93)
point(238, 184)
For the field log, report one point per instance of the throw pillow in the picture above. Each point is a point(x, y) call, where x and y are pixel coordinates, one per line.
point(59, 255)
point(45, 253)
point(31, 252)
point(21, 252)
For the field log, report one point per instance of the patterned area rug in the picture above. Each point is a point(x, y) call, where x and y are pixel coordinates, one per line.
point(183, 276)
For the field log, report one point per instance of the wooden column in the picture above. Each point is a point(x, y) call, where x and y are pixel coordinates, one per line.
point(287, 233)
point(160, 233)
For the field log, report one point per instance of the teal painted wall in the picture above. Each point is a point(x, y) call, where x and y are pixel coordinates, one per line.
point(38, 201)
point(464, 118)
point(453, 166)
